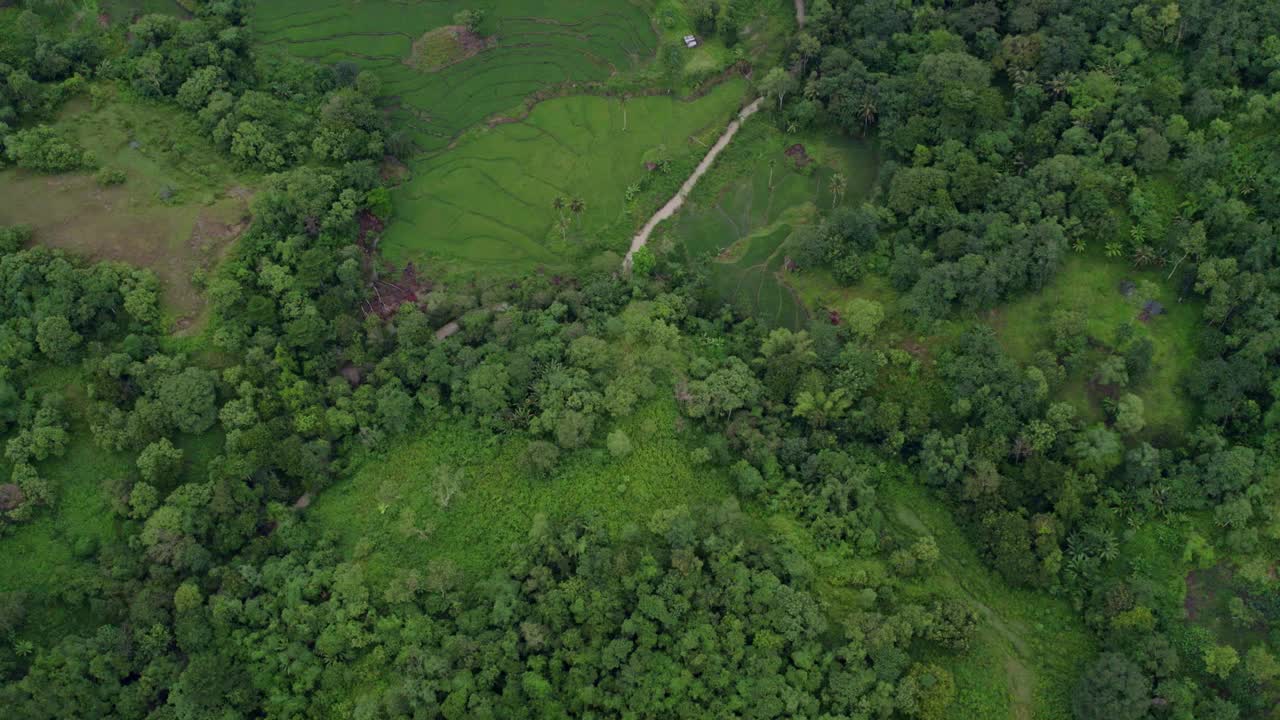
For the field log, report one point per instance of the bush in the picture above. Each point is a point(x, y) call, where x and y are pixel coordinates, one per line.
point(619, 444)
point(13, 238)
point(107, 177)
point(542, 457)
point(42, 148)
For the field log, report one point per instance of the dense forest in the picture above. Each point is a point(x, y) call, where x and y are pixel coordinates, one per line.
point(1013, 137)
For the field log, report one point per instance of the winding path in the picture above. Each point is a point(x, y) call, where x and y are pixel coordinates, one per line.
point(675, 203)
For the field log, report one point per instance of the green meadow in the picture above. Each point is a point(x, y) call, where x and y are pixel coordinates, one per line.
point(178, 210)
point(390, 514)
point(488, 203)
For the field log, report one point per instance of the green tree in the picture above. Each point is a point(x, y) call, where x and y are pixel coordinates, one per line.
point(160, 462)
point(777, 84)
point(619, 444)
point(1112, 688)
point(1220, 660)
point(57, 340)
point(1129, 415)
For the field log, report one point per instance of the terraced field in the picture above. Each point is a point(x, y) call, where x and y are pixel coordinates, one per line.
point(489, 202)
point(487, 164)
point(529, 45)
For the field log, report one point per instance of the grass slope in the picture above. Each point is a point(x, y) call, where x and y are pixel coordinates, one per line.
point(1030, 647)
point(488, 202)
point(179, 209)
point(754, 200)
point(388, 517)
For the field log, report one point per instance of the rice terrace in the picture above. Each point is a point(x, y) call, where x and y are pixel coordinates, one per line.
point(646, 359)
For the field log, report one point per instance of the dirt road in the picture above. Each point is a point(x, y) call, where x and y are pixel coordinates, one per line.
point(800, 13)
point(675, 203)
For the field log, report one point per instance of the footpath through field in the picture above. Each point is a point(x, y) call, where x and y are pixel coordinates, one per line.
point(675, 203)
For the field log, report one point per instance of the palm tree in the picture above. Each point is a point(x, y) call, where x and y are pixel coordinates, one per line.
point(868, 112)
point(1060, 84)
point(839, 184)
point(559, 205)
point(576, 206)
point(1143, 255)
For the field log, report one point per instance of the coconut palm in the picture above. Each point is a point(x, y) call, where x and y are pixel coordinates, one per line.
point(868, 112)
point(577, 206)
point(838, 183)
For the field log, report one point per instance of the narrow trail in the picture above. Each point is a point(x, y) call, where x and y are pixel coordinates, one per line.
point(800, 13)
point(675, 203)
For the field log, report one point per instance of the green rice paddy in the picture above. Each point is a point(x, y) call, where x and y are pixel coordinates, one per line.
point(488, 203)
point(535, 44)
point(488, 161)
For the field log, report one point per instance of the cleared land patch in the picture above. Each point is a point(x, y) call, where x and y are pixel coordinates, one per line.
point(178, 210)
point(1096, 287)
point(490, 202)
point(442, 47)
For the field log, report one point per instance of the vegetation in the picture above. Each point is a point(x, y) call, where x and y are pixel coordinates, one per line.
point(952, 392)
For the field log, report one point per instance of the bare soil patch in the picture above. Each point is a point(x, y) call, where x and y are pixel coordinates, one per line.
point(799, 155)
point(125, 223)
point(392, 171)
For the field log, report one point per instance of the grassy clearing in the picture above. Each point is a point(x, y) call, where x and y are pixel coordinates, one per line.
point(1030, 646)
point(179, 209)
point(753, 200)
point(489, 202)
point(52, 557)
point(1090, 284)
point(536, 44)
point(388, 515)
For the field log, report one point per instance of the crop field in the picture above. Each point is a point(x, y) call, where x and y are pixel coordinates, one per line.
point(528, 45)
point(177, 211)
point(742, 231)
point(488, 203)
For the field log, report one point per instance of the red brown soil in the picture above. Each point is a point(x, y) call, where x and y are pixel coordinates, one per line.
point(917, 350)
point(392, 171)
point(389, 295)
point(371, 227)
point(11, 497)
point(797, 152)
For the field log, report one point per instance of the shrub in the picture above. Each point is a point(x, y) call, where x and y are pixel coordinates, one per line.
point(107, 177)
point(619, 444)
point(13, 238)
point(43, 148)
